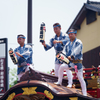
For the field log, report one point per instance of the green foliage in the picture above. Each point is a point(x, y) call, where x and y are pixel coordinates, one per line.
point(12, 77)
point(48, 72)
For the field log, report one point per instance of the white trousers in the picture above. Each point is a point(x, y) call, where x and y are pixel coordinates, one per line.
point(70, 77)
point(69, 73)
point(21, 74)
point(57, 66)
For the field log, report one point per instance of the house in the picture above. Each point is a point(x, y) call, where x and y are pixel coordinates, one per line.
point(87, 24)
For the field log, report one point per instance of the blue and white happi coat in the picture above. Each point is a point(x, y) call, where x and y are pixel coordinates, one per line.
point(58, 46)
point(26, 51)
point(74, 49)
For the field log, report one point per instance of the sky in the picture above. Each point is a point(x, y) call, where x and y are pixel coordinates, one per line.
point(13, 21)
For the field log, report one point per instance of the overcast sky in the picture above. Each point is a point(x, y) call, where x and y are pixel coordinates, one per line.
point(13, 21)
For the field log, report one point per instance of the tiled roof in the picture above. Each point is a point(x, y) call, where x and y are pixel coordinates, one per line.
point(94, 6)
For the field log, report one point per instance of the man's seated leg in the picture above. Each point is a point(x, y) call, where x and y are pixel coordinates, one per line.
point(20, 75)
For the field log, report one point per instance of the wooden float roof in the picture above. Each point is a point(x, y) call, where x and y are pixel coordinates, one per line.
point(45, 81)
point(59, 91)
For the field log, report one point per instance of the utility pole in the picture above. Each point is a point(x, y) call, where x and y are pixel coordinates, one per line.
point(29, 27)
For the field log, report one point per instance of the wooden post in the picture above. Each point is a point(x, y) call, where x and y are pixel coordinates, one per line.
point(29, 31)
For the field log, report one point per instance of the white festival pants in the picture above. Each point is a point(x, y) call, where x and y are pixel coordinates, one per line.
point(69, 73)
point(70, 77)
point(57, 66)
point(21, 74)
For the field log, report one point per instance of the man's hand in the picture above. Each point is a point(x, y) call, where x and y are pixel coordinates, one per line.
point(55, 41)
point(44, 44)
point(69, 57)
point(19, 54)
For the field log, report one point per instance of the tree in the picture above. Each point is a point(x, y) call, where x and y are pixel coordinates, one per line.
point(12, 77)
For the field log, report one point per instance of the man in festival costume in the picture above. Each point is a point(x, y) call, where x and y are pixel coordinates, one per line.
point(58, 42)
point(73, 51)
point(24, 56)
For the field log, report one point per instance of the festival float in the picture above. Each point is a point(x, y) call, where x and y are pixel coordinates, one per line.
point(35, 85)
